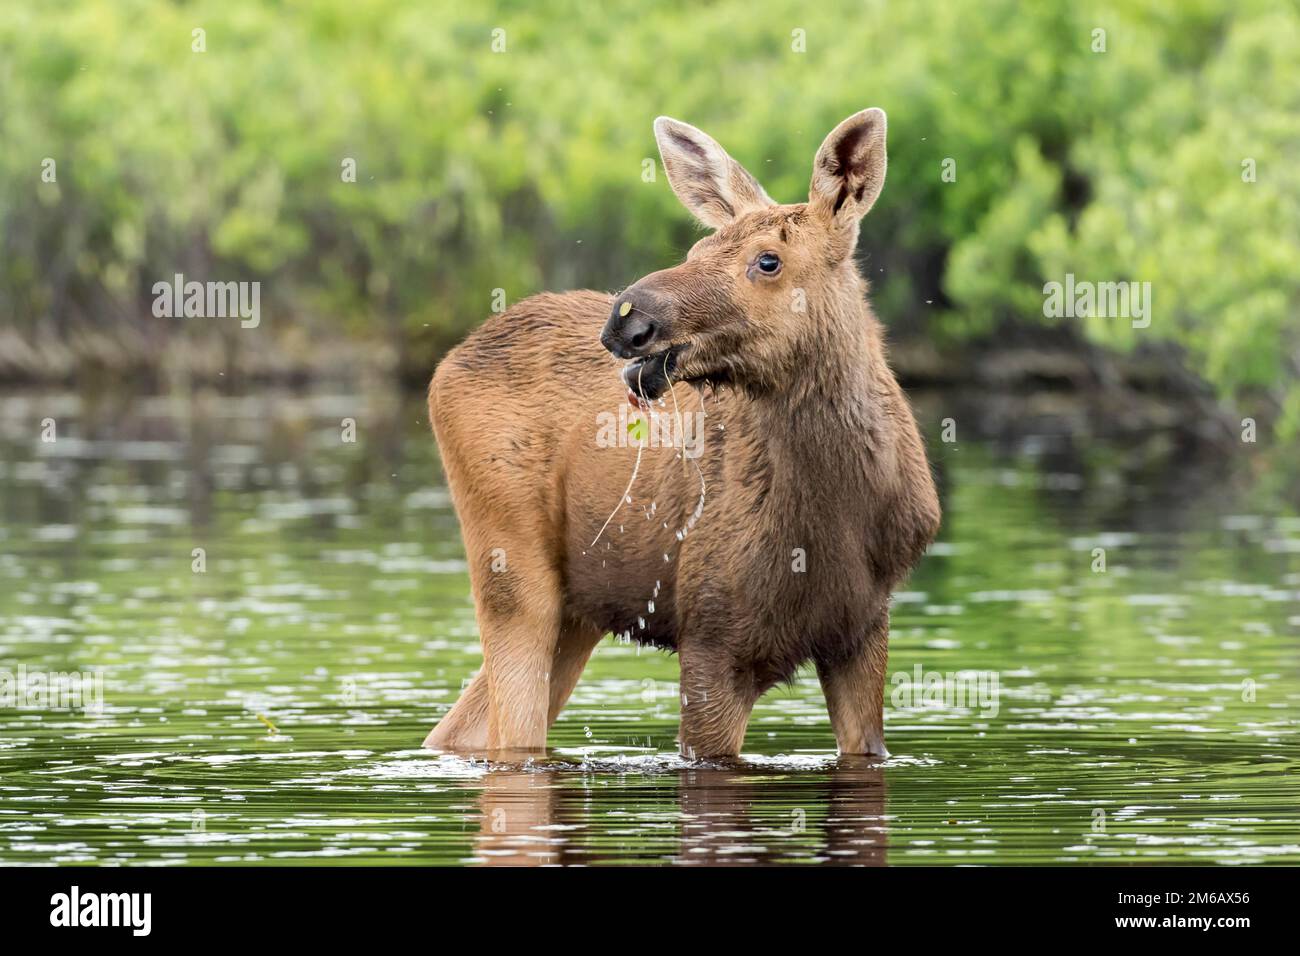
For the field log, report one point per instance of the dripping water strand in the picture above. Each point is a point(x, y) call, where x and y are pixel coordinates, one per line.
point(635, 467)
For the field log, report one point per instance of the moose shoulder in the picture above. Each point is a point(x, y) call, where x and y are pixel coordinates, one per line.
point(808, 497)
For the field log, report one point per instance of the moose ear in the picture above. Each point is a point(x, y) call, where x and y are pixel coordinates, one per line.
point(712, 185)
point(850, 168)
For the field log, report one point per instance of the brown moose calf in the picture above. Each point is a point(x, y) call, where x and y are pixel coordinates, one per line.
point(779, 543)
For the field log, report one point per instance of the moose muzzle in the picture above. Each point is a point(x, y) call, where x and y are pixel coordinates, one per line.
point(638, 323)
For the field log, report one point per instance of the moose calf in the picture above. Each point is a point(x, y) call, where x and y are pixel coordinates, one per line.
point(779, 544)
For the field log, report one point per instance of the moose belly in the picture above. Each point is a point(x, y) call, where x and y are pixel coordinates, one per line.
point(625, 539)
point(622, 575)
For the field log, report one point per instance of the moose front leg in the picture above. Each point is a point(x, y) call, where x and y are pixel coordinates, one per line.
point(855, 694)
point(717, 697)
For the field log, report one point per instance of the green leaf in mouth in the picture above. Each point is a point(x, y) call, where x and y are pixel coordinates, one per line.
point(637, 429)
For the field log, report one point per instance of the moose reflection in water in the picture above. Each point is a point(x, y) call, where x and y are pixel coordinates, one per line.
point(724, 818)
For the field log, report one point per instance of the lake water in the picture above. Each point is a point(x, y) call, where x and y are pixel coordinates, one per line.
point(264, 699)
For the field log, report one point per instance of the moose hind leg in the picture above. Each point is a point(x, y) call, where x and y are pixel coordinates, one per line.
point(464, 728)
point(518, 653)
point(577, 641)
point(517, 604)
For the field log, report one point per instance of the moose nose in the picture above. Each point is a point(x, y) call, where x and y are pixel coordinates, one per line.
point(632, 327)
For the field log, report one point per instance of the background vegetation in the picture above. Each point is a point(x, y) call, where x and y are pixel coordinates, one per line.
point(522, 169)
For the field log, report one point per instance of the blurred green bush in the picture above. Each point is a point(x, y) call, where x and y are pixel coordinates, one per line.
point(522, 169)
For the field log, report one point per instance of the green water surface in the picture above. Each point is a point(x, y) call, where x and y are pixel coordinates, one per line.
point(269, 708)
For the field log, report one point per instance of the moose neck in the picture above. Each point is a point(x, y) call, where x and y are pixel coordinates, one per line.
point(827, 405)
point(816, 442)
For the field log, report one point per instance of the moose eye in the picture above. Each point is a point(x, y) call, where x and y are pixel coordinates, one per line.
point(769, 263)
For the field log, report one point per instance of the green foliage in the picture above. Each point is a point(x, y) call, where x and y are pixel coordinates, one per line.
point(522, 169)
